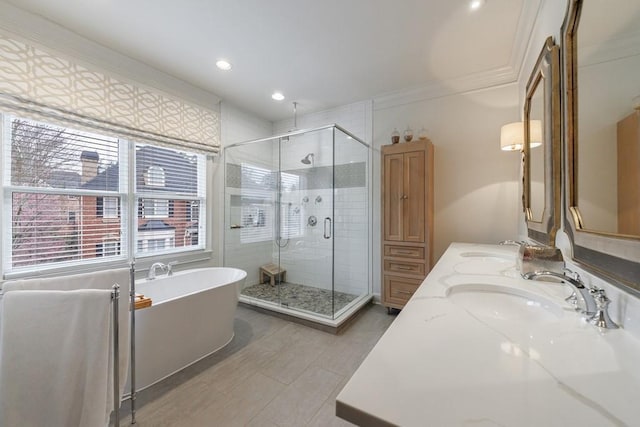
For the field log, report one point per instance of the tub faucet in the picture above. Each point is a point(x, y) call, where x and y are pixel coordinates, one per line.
point(170, 267)
point(590, 309)
point(152, 270)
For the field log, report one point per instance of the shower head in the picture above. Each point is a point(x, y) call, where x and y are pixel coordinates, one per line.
point(308, 159)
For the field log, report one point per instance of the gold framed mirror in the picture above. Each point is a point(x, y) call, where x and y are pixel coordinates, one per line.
point(541, 184)
point(602, 136)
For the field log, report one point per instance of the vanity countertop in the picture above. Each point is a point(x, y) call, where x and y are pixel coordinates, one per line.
point(462, 352)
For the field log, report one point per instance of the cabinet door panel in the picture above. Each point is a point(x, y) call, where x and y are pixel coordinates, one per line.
point(393, 192)
point(404, 267)
point(414, 252)
point(398, 290)
point(414, 203)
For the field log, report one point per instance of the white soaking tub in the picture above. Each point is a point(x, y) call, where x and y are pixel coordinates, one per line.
point(191, 317)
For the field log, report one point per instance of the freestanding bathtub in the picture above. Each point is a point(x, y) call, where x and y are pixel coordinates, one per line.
point(191, 316)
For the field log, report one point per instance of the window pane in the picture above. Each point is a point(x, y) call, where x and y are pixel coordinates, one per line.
point(171, 186)
point(167, 224)
point(110, 207)
point(54, 157)
point(47, 228)
point(160, 169)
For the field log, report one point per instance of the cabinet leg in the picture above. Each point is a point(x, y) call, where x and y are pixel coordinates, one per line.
point(389, 310)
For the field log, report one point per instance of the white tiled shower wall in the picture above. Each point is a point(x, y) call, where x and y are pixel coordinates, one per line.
point(307, 258)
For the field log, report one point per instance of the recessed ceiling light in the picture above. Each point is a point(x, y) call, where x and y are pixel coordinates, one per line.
point(277, 96)
point(476, 4)
point(223, 64)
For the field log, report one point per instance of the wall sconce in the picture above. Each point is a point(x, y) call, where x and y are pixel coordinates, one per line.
point(512, 135)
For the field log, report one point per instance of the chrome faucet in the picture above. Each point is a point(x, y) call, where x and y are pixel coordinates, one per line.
point(154, 266)
point(589, 309)
point(170, 267)
point(595, 301)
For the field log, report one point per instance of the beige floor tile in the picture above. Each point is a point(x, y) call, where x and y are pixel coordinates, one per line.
point(242, 404)
point(293, 407)
point(336, 391)
point(261, 422)
point(326, 417)
point(289, 363)
point(318, 380)
point(238, 368)
point(176, 406)
point(343, 357)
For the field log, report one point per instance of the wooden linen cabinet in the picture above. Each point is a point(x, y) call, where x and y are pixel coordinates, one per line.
point(407, 219)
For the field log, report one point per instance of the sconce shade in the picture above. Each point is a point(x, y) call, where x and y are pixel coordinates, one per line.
point(512, 135)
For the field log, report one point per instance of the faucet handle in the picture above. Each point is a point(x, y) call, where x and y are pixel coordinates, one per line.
point(601, 318)
point(170, 267)
point(573, 298)
point(573, 274)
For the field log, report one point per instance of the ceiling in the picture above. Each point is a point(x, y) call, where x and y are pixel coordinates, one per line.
point(321, 54)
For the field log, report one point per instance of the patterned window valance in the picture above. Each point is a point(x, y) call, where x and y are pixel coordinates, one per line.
point(38, 85)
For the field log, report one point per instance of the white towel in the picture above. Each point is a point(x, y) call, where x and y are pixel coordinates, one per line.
point(97, 280)
point(54, 364)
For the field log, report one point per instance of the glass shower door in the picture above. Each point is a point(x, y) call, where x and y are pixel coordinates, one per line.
point(304, 242)
point(251, 216)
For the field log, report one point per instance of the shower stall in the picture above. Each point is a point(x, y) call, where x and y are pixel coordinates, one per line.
point(298, 221)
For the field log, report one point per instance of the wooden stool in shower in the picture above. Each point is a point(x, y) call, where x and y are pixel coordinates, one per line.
point(273, 273)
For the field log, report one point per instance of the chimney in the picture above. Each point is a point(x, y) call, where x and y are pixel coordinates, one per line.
point(89, 160)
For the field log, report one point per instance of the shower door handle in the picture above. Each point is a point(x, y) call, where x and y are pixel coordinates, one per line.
point(327, 231)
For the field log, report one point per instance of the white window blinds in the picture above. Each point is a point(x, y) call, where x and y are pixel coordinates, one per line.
point(170, 187)
point(63, 189)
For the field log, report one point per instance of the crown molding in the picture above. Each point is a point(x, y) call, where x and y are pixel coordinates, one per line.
point(51, 37)
point(438, 89)
point(509, 73)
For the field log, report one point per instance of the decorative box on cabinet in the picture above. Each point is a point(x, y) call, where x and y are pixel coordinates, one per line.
point(407, 219)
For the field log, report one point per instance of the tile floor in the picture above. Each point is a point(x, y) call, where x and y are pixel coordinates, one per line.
point(273, 373)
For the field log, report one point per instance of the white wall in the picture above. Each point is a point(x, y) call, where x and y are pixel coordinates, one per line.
point(475, 183)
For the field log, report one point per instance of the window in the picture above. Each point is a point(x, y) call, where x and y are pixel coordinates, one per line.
point(66, 192)
point(153, 208)
point(154, 176)
point(110, 207)
point(170, 188)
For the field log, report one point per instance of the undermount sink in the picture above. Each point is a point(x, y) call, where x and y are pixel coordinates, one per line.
point(484, 263)
point(489, 255)
point(504, 303)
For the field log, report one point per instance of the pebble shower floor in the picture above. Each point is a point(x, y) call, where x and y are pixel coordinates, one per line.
point(300, 297)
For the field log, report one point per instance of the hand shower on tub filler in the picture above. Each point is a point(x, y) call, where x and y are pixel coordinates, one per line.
point(166, 268)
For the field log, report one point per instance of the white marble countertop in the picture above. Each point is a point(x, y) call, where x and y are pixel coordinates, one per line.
point(442, 363)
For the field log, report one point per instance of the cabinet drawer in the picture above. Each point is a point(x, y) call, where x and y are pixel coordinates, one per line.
point(413, 252)
point(398, 290)
point(405, 267)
